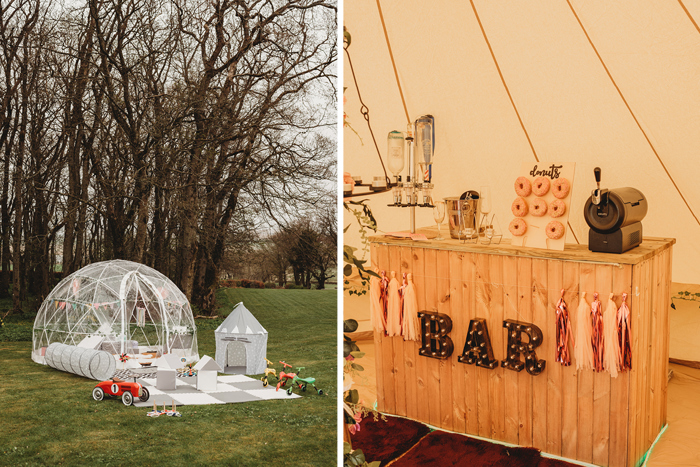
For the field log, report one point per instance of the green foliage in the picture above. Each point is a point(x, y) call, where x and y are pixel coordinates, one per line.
point(685, 295)
point(293, 286)
point(251, 284)
point(366, 222)
point(356, 457)
point(16, 330)
point(50, 418)
point(229, 283)
point(270, 285)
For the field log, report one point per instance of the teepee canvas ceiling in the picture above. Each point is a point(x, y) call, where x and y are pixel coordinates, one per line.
point(598, 83)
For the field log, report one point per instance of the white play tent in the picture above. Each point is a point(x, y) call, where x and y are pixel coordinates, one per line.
point(120, 307)
point(241, 343)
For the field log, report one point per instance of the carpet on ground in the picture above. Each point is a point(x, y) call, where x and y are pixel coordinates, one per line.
point(401, 442)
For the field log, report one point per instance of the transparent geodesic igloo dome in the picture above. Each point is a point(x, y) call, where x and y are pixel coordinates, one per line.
point(120, 307)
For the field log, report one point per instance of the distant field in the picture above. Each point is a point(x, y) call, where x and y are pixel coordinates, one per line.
point(49, 417)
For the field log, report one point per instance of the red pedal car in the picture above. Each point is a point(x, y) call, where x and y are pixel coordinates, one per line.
point(116, 387)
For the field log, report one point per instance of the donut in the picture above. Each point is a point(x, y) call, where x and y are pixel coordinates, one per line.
point(560, 188)
point(523, 187)
point(517, 227)
point(555, 230)
point(557, 208)
point(539, 207)
point(541, 186)
point(519, 207)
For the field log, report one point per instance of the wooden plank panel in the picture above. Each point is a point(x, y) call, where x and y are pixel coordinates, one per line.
point(433, 365)
point(524, 378)
point(444, 304)
point(483, 303)
point(601, 381)
point(555, 282)
point(378, 338)
point(459, 331)
point(397, 341)
point(619, 387)
point(510, 378)
point(654, 354)
point(667, 307)
point(584, 447)
point(422, 410)
point(387, 347)
point(668, 268)
point(495, 324)
point(634, 302)
point(470, 371)
point(410, 349)
point(540, 305)
point(569, 410)
point(645, 357)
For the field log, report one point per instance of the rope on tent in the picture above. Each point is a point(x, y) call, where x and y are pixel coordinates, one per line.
point(512, 102)
point(690, 17)
point(391, 55)
point(634, 117)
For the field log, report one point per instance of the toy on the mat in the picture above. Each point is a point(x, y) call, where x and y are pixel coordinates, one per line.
point(268, 371)
point(187, 371)
point(169, 413)
point(117, 387)
point(295, 379)
point(123, 358)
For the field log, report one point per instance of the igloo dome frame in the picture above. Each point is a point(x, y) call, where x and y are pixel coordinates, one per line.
point(119, 306)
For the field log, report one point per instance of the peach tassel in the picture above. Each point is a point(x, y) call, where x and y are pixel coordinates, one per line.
point(393, 318)
point(582, 348)
point(612, 345)
point(375, 304)
point(623, 332)
point(597, 334)
point(410, 324)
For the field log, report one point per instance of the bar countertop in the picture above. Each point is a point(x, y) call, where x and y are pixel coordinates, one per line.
point(572, 252)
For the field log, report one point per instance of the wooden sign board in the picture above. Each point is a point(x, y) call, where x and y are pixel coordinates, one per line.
point(539, 175)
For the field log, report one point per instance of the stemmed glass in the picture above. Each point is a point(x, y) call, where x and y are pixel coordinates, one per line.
point(439, 216)
point(485, 208)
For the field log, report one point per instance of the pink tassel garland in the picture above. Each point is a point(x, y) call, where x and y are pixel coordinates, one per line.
point(393, 319)
point(597, 334)
point(384, 289)
point(376, 307)
point(564, 334)
point(410, 324)
point(623, 330)
point(612, 345)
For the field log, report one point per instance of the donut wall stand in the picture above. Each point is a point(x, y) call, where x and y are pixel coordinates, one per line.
point(541, 205)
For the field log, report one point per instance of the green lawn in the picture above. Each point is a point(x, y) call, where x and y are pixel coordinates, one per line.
point(49, 417)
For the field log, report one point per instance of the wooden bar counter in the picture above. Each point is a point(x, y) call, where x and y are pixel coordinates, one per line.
point(581, 415)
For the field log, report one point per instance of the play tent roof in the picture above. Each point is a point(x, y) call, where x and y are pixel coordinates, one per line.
point(241, 321)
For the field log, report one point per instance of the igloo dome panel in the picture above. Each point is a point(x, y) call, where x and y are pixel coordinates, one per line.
point(118, 306)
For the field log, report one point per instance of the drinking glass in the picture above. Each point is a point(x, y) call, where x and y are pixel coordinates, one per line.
point(439, 215)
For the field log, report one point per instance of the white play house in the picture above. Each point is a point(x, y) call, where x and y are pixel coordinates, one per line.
point(241, 343)
point(120, 307)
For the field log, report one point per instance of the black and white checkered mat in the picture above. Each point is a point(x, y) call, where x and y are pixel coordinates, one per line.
point(230, 389)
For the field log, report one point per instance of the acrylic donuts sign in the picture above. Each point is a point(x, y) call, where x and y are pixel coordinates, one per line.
point(540, 209)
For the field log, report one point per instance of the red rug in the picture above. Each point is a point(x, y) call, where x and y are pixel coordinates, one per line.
point(406, 443)
point(384, 441)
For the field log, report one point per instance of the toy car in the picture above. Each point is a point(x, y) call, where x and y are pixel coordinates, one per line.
point(117, 387)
